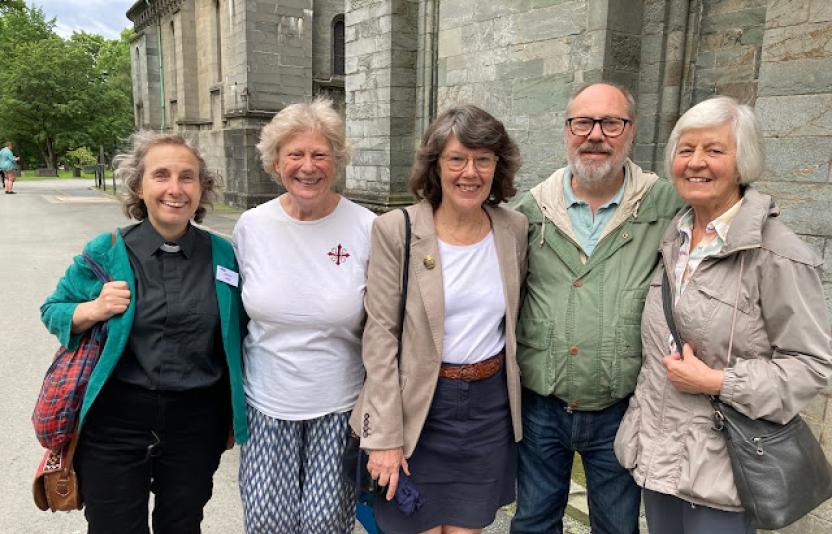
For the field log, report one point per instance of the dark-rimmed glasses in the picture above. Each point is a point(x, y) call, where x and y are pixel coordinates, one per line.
point(610, 126)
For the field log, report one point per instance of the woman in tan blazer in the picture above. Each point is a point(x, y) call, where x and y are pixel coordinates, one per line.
point(446, 411)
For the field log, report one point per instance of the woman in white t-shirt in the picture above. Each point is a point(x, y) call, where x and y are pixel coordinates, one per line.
point(303, 261)
point(446, 409)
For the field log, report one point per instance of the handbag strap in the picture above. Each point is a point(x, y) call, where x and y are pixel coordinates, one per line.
point(405, 277)
point(731, 358)
point(70, 451)
point(96, 268)
point(667, 306)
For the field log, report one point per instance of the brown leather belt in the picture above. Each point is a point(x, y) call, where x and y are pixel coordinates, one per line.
point(474, 371)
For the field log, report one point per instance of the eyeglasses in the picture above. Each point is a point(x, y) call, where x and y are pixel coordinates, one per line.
point(483, 163)
point(610, 126)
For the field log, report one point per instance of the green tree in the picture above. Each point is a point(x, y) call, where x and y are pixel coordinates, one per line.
point(80, 157)
point(59, 94)
point(113, 103)
point(8, 5)
point(46, 96)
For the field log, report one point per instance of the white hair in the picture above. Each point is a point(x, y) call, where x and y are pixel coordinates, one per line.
point(744, 123)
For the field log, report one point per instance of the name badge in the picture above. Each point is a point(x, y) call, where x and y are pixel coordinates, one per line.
point(228, 276)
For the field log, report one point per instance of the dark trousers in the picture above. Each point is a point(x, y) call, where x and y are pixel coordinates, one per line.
point(667, 514)
point(135, 441)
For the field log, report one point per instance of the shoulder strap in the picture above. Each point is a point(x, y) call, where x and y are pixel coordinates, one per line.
point(405, 276)
point(667, 305)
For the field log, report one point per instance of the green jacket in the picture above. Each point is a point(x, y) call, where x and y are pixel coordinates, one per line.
point(79, 285)
point(578, 334)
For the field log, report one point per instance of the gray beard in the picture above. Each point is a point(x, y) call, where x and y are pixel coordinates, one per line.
point(595, 174)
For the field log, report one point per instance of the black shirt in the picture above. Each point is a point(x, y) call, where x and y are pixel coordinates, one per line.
point(175, 343)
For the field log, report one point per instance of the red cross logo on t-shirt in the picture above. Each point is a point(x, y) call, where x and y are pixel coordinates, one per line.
point(338, 254)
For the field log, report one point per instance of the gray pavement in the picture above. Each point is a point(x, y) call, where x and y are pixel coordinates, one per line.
point(41, 229)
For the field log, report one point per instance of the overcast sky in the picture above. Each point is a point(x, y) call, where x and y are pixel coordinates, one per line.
point(104, 17)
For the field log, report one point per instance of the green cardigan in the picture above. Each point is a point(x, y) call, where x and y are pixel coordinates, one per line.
point(79, 285)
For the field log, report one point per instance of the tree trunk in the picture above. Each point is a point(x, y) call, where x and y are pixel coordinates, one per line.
point(52, 158)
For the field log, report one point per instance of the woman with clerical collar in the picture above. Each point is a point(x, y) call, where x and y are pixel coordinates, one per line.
point(166, 397)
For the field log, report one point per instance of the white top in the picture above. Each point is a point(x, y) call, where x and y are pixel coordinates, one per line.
point(303, 288)
point(475, 302)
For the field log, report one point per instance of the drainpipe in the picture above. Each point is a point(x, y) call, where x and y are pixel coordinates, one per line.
point(161, 67)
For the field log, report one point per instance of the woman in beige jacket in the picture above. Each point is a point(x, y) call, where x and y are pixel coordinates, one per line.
point(727, 251)
point(446, 410)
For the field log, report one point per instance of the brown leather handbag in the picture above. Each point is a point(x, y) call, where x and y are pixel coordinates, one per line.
point(56, 486)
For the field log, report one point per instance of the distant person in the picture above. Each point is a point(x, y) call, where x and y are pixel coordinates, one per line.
point(160, 404)
point(303, 260)
point(8, 164)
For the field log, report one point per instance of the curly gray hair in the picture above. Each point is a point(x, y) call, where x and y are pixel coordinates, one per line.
point(130, 169)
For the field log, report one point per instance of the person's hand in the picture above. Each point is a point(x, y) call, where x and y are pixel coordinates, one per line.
point(113, 300)
point(229, 442)
point(383, 466)
point(690, 374)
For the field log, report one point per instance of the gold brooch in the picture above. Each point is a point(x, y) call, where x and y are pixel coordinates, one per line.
point(429, 262)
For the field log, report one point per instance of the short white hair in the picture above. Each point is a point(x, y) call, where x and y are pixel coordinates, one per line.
point(745, 125)
point(317, 116)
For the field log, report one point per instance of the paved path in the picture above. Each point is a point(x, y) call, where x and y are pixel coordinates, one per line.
point(43, 227)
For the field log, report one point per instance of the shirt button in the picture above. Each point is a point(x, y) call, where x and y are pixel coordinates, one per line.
point(625, 235)
point(574, 350)
point(578, 283)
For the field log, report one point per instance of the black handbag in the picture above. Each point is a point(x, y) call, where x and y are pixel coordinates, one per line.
point(354, 459)
point(780, 471)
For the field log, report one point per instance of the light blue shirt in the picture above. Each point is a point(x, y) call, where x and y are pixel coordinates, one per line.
point(588, 229)
point(7, 161)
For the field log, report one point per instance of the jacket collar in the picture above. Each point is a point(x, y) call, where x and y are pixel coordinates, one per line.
point(746, 229)
point(426, 263)
point(549, 196)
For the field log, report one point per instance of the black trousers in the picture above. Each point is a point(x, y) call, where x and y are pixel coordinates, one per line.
point(135, 441)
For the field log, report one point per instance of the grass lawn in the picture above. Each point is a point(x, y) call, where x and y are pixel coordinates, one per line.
point(578, 474)
point(31, 175)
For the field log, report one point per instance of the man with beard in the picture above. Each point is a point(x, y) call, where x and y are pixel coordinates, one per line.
point(594, 231)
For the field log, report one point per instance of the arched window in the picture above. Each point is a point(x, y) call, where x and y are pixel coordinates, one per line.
point(338, 45)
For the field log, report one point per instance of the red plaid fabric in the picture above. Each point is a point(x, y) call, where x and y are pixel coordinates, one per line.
point(60, 397)
point(62, 392)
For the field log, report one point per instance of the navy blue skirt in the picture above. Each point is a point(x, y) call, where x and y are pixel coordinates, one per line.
point(465, 462)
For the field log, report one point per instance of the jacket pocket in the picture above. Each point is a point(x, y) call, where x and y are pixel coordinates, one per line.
point(627, 360)
point(631, 304)
point(726, 297)
point(627, 445)
point(705, 471)
point(534, 333)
